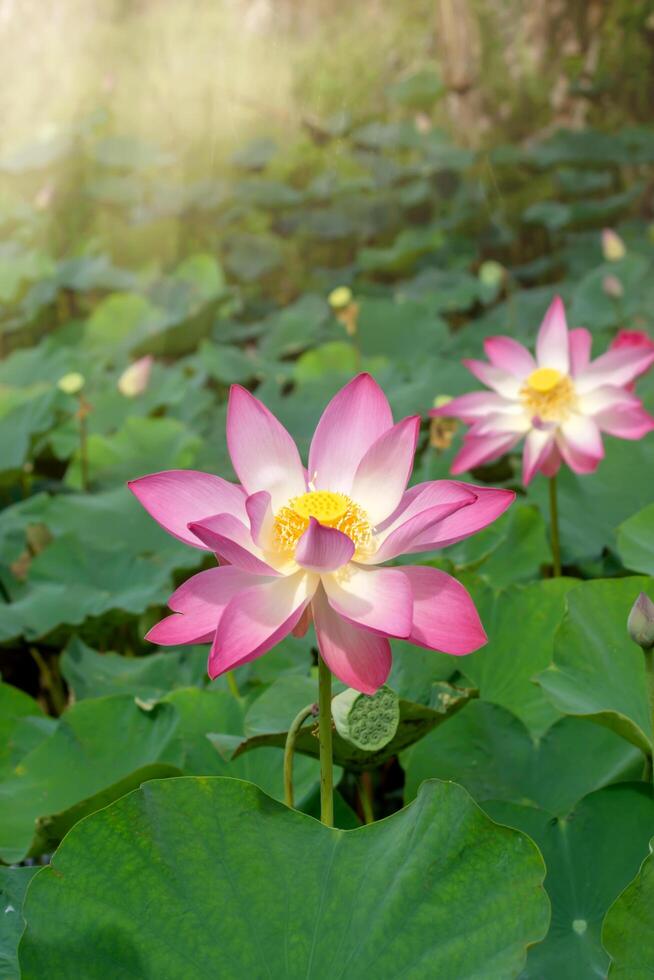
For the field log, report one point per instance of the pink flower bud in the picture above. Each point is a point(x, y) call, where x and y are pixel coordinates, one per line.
point(613, 287)
point(134, 379)
point(641, 622)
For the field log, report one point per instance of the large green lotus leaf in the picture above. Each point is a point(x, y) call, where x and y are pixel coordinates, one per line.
point(590, 303)
point(70, 581)
point(512, 549)
point(15, 706)
point(598, 671)
point(119, 324)
point(591, 507)
point(269, 728)
point(628, 930)
point(636, 541)
point(94, 518)
point(493, 755)
point(520, 622)
point(284, 895)
point(251, 257)
point(100, 750)
point(400, 257)
point(416, 670)
point(419, 90)
point(24, 413)
point(137, 448)
point(384, 326)
point(202, 712)
point(590, 854)
point(295, 327)
point(13, 883)
point(90, 674)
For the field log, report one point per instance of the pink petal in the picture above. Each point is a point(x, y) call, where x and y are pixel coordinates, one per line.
point(198, 605)
point(616, 367)
point(606, 397)
point(258, 618)
point(580, 443)
point(323, 549)
point(402, 539)
point(384, 471)
point(538, 446)
point(377, 598)
point(473, 406)
point(625, 422)
point(175, 498)
point(552, 345)
point(259, 510)
point(551, 463)
point(509, 355)
point(354, 419)
point(497, 423)
point(360, 659)
point(580, 341)
point(490, 503)
point(476, 451)
point(232, 540)
point(262, 452)
point(501, 381)
point(444, 615)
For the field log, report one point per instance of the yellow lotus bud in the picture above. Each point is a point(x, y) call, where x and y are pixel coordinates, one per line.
point(340, 297)
point(613, 248)
point(71, 383)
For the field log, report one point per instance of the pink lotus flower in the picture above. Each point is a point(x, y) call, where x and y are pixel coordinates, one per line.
point(299, 545)
point(559, 401)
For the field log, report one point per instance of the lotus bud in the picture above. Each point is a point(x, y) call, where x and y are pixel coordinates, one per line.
point(491, 274)
point(640, 623)
point(71, 384)
point(367, 722)
point(340, 298)
point(442, 428)
point(613, 287)
point(134, 379)
point(613, 248)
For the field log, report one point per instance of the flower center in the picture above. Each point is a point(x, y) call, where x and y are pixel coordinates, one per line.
point(328, 508)
point(548, 394)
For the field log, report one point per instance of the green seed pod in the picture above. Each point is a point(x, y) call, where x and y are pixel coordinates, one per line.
point(369, 722)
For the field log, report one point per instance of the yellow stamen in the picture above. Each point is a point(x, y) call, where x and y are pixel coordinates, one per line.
point(329, 508)
point(549, 395)
point(324, 505)
point(544, 379)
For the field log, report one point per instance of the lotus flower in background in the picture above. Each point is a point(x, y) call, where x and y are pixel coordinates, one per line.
point(297, 545)
point(559, 402)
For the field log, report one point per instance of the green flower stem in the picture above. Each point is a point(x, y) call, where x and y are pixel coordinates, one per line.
point(554, 528)
point(289, 749)
point(50, 680)
point(649, 671)
point(325, 742)
point(83, 443)
point(232, 685)
point(366, 796)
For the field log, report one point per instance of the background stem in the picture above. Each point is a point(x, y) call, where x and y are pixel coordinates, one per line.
point(649, 671)
point(325, 741)
point(232, 685)
point(289, 749)
point(554, 528)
